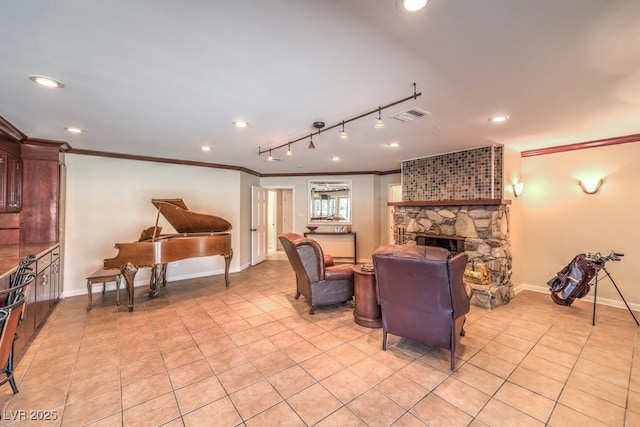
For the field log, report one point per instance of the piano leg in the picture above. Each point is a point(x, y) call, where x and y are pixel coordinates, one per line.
point(227, 263)
point(129, 272)
point(158, 278)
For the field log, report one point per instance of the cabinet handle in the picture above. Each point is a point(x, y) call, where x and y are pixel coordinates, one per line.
point(44, 280)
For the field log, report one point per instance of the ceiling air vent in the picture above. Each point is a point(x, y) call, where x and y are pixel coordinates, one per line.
point(409, 115)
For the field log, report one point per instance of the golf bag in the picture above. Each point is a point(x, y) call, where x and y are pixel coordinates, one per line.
point(574, 280)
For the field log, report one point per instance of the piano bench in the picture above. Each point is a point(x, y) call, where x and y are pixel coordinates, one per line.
point(103, 276)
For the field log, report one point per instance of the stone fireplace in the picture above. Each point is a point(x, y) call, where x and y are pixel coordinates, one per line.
point(481, 231)
point(455, 201)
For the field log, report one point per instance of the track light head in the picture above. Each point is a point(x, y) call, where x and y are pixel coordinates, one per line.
point(379, 122)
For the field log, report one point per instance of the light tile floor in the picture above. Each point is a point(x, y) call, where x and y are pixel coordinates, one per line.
point(202, 354)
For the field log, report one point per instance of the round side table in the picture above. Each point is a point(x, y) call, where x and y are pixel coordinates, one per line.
point(367, 312)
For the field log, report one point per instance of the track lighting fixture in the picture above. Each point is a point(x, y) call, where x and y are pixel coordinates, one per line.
point(289, 152)
point(270, 158)
point(379, 122)
point(343, 134)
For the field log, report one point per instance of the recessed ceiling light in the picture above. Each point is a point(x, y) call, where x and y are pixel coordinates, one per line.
point(393, 144)
point(335, 158)
point(498, 119)
point(74, 130)
point(205, 148)
point(412, 5)
point(46, 82)
point(240, 123)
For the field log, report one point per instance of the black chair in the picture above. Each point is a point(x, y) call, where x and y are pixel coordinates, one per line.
point(11, 314)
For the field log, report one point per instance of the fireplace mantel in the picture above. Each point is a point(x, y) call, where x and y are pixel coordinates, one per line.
point(475, 202)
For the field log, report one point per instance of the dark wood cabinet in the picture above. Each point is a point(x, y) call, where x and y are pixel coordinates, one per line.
point(56, 279)
point(42, 293)
point(14, 184)
point(10, 182)
point(40, 217)
point(31, 219)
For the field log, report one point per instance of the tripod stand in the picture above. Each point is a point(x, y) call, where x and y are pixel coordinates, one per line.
point(599, 261)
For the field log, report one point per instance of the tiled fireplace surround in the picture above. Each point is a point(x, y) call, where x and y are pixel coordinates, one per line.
point(459, 196)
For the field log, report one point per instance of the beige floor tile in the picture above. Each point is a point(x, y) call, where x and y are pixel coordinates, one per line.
point(546, 368)
point(302, 351)
point(345, 385)
point(592, 406)
point(498, 414)
point(291, 381)
point(402, 390)
point(603, 372)
point(321, 366)
point(424, 375)
point(563, 416)
point(156, 411)
point(478, 378)
point(533, 404)
point(341, 417)
point(142, 369)
point(346, 354)
point(239, 377)
point(180, 357)
point(92, 409)
point(314, 403)
point(371, 371)
point(435, 411)
point(276, 416)
point(461, 395)
point(599, 388)
point(255, 398)
point(537, 383)
point(199, 394)
point(226, 360)
point(272, 363)
point(187, 374)
point(220, 412)
point(556, 356)
point(145, 389)
point(493, 364)
point(376, 409)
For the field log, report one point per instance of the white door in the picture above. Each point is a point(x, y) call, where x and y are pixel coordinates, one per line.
point(287, 211)
point(258, 224)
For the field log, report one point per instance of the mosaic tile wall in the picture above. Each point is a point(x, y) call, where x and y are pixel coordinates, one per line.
point(464, 175)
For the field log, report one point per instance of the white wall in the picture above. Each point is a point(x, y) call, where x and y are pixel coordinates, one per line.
point(109, 201)
point(560, 221)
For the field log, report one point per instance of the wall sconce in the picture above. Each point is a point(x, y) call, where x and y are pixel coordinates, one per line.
point(591, 185)
point(517, 188)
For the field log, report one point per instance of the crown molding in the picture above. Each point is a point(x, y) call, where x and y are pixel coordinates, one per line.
point(582, 145)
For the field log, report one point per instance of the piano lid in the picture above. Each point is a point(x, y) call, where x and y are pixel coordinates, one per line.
point(186, 221)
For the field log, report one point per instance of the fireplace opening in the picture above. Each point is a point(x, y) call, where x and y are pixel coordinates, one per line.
point(453, 244)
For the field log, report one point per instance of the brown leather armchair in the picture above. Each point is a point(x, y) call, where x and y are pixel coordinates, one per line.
point(421, 294)
point(317, 278)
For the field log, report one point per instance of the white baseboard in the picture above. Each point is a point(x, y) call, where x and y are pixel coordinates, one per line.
point(139, 283)
point(588, 298)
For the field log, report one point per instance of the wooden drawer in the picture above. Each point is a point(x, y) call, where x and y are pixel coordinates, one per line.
point(43, 262)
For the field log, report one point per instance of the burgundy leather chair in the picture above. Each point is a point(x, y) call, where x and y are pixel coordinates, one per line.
point(421, 294)
point(317, 278)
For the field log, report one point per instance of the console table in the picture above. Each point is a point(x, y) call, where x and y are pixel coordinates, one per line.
point(350, 235)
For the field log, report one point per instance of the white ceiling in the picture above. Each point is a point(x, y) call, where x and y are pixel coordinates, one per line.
point(162, 78)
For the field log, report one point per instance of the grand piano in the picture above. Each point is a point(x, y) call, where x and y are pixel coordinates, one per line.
point(198, 235)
